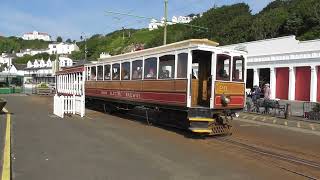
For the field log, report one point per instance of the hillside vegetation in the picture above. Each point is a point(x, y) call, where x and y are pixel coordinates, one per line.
point(226, 25)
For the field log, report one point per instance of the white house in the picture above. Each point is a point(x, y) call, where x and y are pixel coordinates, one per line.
point(154, 24)
point(62, 48)
point(6, 59)
point(15, 69)
point(31, 52)
point(289, 65)
point(104, 55)
point(36, 35)
point(40, 71)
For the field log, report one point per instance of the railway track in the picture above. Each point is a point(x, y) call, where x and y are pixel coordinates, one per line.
point(277, 156)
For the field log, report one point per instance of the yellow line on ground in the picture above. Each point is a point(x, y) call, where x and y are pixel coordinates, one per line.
point(6, 173)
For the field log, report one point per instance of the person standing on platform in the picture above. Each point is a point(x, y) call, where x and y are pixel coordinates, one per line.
point(267, 97)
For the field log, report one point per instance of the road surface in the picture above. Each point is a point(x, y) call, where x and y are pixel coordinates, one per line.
point(102, 146)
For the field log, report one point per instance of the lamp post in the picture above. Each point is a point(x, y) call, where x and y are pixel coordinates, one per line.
point(85, 44)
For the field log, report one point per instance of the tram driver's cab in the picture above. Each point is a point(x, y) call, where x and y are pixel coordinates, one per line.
point(216, 76)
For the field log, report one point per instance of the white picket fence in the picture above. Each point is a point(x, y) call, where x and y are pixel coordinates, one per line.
point(70, 95)
point(69, 105)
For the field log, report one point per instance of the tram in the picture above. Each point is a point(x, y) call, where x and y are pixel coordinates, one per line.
point(192, 84)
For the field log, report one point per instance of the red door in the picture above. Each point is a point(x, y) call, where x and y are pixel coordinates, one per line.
point(303, 79)
point(282, 83)
point(318, 84)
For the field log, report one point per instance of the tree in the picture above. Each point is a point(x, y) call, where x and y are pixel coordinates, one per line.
point(69, 40)
point(59, 39)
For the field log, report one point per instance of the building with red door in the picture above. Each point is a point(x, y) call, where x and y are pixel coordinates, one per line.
point(290, 67)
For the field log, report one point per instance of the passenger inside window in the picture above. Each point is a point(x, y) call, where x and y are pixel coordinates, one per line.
point(107, 74)
point(150, 67)
point(93, 73)
point(116, 71)
point(166, 67)
point(125, 68)
point(223, 67)
point(100, 73)
point(137, 69)
point(237, 74)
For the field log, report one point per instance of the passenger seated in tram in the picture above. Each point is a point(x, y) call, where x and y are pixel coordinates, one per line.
point(137, 74)
point(151, 73)
point(164, 74)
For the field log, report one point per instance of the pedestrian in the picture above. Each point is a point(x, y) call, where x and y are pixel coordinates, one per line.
point(267, 91)
point(267, 97)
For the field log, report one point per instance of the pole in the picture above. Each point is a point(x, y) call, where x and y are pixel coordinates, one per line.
point(165, 21)
point(85, 48)
point(122, 33)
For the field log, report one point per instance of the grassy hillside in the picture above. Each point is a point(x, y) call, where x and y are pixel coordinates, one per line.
point(226, 25)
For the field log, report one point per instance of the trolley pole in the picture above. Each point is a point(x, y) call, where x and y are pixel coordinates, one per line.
point(165, 21)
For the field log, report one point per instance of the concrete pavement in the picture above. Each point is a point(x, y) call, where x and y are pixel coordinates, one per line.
point(101, 146)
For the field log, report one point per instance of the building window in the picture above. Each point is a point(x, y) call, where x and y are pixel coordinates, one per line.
point(166, 67)
point(238, 67)
point(116, 71)
point(107, 74)
point(150, 68)
point(125, 71)
point(137, 69)
point(100, 73)
point(182, 67)
point(93, 73)
point(223, 67)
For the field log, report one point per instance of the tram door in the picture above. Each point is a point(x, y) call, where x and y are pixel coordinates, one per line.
point(201, 78)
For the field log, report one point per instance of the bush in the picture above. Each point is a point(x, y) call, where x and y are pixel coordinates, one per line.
point(316, 108)
point(43, 85)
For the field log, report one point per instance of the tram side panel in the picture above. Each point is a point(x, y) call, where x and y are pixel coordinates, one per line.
point(164, 92)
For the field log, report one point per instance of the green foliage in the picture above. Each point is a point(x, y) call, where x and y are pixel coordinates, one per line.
point(14, 44)
point(69, 40)
point(26, 58)
point(316, 108)
point(59, 39)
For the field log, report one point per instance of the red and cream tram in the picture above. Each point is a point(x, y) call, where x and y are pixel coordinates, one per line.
point(193, 84)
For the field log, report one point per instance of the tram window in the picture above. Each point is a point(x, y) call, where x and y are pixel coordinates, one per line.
point(223, 67)
point(100, 73)
point(182, 65)
point(125, 68)
point(93, 73)
point(88, 73)
point(150, 68)
point(107, 74)
point(166, 67)
point(116, 71)
point(137, 69)
point(237, 72)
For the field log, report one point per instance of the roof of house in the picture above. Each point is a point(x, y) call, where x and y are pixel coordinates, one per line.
point(20, 66)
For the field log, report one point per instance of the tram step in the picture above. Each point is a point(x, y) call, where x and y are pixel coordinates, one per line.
point(202, 119)
point(200, 130)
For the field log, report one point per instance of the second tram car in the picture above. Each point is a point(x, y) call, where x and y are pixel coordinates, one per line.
point(192, 84)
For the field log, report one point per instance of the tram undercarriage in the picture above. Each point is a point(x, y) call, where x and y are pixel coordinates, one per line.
point(201, 121)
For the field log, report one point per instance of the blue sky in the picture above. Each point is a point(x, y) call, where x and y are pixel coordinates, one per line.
point(71, 18)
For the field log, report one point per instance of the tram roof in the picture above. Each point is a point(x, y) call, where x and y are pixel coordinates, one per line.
point(163, 48)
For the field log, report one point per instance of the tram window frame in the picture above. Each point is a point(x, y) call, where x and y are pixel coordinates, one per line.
point(168, 60)
point(222, 58)
point(113, 72)
point(137, 68)
point(234, 68)
point(88, 73)
point(106, 77)
point(100, 73)
point(147, 67)
point(123, 68)
point(93, 73)
point(182, 70)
